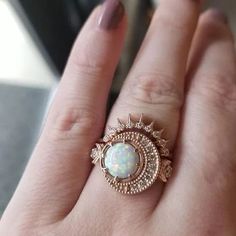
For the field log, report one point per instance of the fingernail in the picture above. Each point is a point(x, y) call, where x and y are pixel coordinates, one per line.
point(112, 14)
point(219, 15)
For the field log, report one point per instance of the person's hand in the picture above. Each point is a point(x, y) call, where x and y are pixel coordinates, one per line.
point(184, 78)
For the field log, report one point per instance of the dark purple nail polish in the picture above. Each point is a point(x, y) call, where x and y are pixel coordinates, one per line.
point(219, 15)
point(112, 14)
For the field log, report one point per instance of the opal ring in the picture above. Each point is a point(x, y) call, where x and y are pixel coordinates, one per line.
point(133, 156)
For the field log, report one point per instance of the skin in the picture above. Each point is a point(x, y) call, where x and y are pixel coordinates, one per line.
point(188, 86)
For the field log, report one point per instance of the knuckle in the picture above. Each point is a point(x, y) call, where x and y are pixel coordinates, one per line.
point(156, 89)
point(209, 17)
point(87, 68)
point(72, 123)
point(86, 65)
point(219, 90)
point(213, 29)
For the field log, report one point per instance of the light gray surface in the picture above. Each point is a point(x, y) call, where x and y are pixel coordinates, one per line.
point(21, 113)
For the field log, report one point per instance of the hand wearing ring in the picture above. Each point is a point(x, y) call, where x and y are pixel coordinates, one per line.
point(183, 79)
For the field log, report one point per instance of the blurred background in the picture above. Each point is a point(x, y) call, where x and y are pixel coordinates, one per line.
point(35, 40)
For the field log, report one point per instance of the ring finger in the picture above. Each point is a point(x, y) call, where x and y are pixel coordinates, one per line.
point(154, 87)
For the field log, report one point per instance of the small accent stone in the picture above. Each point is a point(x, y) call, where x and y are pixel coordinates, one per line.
point(145, 142)
point(94, 153)
point(156, 134)
point(139, 125)
point(165, 152)
point(149, 148)
point(162, 142)
point(148, 128)
point(121, 160)
point(168, 171)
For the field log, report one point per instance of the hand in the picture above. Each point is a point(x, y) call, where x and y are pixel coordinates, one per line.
point(184, 78)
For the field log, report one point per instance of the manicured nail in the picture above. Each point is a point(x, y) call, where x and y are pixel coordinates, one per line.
point(219, 15)
point(112, 14)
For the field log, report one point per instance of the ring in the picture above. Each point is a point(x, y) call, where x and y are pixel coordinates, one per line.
point(133, 156)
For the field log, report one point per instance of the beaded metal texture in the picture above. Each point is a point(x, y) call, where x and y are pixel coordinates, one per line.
point(148, 162)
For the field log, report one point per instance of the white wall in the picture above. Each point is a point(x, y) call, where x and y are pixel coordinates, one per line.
point(20, 60)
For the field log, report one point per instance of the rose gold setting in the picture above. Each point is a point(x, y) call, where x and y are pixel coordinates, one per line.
point(151, 149)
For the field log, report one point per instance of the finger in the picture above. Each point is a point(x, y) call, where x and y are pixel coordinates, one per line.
point(60, 164)
point(154, 87)
point(205, 175)
point(156, 81)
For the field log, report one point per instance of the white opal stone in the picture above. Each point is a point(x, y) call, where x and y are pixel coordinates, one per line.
point(121, 160)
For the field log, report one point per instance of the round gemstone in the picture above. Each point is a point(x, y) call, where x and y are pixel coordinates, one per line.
point(121, 160)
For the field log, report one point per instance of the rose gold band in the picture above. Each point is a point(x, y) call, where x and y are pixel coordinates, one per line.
point(133, 156)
